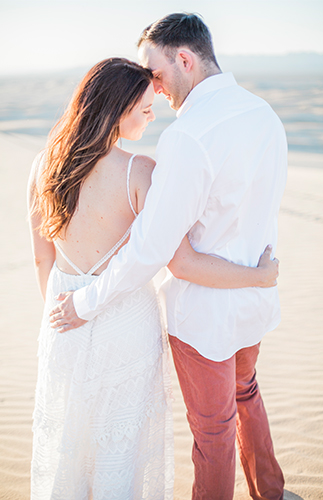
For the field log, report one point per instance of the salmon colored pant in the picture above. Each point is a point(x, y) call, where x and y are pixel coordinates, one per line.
point(224, 403)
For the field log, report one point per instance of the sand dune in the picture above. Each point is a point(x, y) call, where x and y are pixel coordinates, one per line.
point(290, 368)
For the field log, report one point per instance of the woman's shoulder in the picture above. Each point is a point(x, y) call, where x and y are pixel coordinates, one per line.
point(142, 167)
point(36, 169)
point(144, 162)
point(39, 160)
point(118, 157)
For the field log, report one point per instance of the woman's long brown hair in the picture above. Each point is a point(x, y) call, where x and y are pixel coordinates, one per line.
point(85, 133)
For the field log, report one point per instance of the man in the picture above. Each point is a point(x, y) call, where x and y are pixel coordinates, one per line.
point(220, 174)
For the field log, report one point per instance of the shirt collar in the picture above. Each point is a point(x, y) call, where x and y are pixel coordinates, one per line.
point(210, 84)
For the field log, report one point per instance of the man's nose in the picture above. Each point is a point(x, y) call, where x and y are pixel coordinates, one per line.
point(157, 87)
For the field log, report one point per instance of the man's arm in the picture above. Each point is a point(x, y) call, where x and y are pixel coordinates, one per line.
point(177, 198)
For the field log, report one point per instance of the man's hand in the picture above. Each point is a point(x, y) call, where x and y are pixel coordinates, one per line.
point(64, 317)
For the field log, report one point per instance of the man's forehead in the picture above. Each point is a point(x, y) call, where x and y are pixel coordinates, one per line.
point(150, 56)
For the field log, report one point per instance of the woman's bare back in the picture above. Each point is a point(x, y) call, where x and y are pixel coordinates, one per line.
point(104, 213)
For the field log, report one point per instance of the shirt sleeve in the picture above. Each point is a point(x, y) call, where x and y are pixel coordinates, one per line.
point(178, 195)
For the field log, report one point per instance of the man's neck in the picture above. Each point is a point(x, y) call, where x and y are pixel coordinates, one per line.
point(205, 72)
point(202, 74)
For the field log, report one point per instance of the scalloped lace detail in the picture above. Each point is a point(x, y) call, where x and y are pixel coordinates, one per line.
point(102, 419)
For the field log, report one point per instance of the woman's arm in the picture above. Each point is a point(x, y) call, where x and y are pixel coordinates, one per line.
point(214, 272)
point(43, 250)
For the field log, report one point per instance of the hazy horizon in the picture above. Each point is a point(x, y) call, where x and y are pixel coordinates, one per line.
point(296, 63)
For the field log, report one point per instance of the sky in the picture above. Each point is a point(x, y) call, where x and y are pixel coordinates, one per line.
point(49, 35)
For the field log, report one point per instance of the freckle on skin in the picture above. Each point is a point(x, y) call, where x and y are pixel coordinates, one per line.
point(97, 251)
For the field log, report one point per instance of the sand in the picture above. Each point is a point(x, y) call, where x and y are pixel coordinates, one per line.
point(290, 367)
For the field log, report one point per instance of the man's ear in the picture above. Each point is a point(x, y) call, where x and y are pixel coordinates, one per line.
point(186, 59)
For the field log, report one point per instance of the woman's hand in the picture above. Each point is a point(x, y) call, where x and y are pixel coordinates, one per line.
point(269, 269)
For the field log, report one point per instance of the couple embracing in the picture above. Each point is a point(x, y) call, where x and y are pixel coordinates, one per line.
point(104, 222)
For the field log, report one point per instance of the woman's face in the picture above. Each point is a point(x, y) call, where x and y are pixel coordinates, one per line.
point(134, 124)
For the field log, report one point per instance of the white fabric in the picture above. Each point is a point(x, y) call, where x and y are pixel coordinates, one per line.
point(102, 420)
point(221, 172)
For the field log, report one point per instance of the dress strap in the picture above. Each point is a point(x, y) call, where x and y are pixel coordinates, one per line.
point(110, 252)
point(128, 185)
point(125, 236)
point(68, 259)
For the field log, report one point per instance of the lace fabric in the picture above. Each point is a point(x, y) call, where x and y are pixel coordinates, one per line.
point(102, 420)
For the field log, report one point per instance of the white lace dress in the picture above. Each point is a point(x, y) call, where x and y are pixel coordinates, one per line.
point(102, 420)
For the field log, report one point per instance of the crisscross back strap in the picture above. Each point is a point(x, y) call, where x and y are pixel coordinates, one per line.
point(68, 260)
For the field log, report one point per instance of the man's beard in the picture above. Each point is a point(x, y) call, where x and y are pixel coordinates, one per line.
point(179, 90)
point(176, 104)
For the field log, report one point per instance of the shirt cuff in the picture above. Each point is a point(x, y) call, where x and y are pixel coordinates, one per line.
point(81, 305)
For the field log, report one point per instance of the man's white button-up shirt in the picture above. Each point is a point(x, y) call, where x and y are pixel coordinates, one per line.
point(220, 175)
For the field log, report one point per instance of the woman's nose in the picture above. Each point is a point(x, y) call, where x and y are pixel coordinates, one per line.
point(152, 116)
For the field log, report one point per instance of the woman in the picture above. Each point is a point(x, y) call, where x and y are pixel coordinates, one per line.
point(102, 422)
